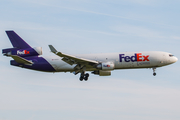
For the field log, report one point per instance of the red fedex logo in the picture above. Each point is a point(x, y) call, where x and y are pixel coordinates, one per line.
point(138, 57)
point(142, 58)
point(106, 66)
point(24, 52)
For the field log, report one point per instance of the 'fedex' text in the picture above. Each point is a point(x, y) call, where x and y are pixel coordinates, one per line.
point(106, 66)
point(136, 58)
point(24, 52)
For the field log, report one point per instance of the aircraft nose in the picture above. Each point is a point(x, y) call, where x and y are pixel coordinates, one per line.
point(175, 59)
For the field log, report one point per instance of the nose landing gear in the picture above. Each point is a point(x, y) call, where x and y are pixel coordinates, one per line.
point(154, 74)
point(154, 71)
point(84, 76)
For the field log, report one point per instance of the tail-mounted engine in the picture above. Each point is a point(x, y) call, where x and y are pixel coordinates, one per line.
point(23, 52)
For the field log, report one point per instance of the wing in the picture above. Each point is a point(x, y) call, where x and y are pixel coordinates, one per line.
point(21, 60)
point(74, 60)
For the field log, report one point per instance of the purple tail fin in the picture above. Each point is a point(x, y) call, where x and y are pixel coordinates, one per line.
point(17, 41)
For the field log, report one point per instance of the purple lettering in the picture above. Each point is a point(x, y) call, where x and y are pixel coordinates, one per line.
point(127, 59)
point(121, 56)
point(137, 57)
point(134, 58)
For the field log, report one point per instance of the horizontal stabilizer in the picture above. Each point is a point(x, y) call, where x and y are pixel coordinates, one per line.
point(5, 51)
point(21, 60)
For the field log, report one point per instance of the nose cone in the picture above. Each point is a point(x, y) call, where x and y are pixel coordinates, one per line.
point(175, 59)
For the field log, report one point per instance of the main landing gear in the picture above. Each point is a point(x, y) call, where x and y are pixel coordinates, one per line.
point(84, 76)
point(154, 71)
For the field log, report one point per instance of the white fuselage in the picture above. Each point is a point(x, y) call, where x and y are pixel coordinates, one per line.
point(124, 60)
point(99, 64)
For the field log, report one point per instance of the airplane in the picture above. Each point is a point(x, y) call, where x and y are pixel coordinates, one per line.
point(99, 64)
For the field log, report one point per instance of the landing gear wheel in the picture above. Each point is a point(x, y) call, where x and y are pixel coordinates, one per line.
point(86, 76)
point(154, 74)
point(154, 71)
point(81, 78)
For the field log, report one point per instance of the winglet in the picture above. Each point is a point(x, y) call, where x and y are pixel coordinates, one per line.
point(52, 49)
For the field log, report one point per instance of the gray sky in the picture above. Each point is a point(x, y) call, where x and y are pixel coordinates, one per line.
point(91, 26)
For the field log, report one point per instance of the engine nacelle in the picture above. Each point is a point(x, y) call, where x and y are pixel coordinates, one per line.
point(102, 73)
point(23, 52)
point(105, 66)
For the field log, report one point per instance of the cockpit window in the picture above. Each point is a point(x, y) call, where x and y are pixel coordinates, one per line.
point(170, 55)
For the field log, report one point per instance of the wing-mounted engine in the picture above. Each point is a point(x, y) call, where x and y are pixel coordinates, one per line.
point(23, 52)
point(102, 73)
point(105, 66)
point(104, 69)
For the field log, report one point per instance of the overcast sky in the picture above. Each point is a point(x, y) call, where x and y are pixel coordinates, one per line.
point(91, 26)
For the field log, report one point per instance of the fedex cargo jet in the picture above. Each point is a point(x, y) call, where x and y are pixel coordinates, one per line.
point(99, 64)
